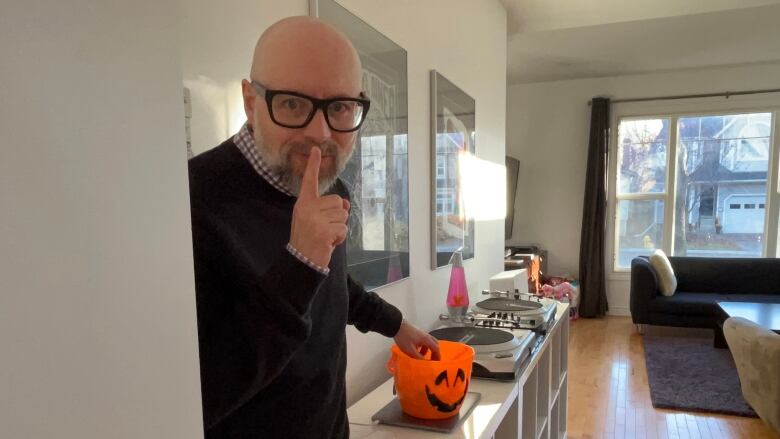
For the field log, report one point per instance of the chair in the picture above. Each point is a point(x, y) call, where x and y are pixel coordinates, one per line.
point(756, 351)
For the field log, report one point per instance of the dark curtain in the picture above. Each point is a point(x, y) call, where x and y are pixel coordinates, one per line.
point(593, 292)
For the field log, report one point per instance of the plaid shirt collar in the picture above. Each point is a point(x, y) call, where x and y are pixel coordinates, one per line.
point(245, 142)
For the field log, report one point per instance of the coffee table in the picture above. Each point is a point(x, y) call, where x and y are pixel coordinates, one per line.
point(763, 314)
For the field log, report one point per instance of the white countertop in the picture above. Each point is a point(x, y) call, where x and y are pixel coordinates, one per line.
point(496, 399)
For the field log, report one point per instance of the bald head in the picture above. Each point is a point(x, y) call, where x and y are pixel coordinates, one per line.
point(307, 57)
point(306, 54)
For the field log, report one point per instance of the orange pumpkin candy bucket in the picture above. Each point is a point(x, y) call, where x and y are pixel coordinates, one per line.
point(430, 389)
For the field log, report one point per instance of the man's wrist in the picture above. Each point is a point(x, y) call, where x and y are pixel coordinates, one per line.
point(400, 325)
point(311, 264)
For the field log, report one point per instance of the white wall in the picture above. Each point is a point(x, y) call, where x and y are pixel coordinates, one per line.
point(547, 130)
point(464, 40)
point(97, 310)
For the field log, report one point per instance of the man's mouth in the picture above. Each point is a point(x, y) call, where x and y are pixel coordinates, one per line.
point(324, 156)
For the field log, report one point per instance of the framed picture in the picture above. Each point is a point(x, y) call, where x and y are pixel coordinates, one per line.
point(452, 142)
point(377, 175)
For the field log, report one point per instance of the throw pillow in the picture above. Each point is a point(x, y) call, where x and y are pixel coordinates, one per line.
point(663, 269)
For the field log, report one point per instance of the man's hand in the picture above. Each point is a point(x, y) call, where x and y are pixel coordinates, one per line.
point(416, 343)
point(319, 224)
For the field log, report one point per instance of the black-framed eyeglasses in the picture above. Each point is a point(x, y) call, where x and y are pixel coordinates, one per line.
point(291, 109)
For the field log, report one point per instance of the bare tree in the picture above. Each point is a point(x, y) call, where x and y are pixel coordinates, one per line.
point(698, 172)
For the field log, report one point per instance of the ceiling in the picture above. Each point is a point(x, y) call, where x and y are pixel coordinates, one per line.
point(551, 40)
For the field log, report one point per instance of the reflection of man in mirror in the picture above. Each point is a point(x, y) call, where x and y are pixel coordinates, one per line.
point(269, 218)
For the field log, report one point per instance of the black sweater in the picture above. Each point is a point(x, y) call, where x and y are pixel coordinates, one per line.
point(271, 329)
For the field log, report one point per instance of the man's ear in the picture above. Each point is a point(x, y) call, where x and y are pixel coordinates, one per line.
point(249, 100)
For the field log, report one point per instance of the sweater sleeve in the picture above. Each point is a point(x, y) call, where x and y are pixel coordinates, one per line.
point(369, 312)
point(250, 322)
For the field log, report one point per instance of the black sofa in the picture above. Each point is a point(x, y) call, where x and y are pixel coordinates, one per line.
point(701, 283)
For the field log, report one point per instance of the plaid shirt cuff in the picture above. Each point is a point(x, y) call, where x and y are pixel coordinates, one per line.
point(324, 270)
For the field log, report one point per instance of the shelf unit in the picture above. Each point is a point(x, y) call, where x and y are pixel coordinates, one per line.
point(544, 389)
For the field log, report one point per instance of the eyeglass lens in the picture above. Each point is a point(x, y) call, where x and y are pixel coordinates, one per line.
point(295, 110)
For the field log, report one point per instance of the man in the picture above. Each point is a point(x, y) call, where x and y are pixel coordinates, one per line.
point(269, 220)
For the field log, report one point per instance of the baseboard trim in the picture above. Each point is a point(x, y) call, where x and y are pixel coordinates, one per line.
point(619, 311)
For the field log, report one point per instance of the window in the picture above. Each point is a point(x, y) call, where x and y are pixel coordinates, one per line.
point(710, 170)
point(641, 187)
point(441, 168)
point(445, 202)
point(731, 168)
point(373, 162)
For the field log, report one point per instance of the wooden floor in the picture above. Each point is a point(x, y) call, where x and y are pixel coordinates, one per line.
point(609, 397)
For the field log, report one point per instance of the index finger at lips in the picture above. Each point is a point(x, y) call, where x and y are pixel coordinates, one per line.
point(310, 183)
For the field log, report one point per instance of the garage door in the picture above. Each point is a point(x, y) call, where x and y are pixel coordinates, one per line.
point(744, 214)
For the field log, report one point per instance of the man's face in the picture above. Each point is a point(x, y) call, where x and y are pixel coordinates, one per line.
point(286, 150)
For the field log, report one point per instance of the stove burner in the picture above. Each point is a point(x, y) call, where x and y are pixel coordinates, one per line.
point(500, 304)
point(473, 336)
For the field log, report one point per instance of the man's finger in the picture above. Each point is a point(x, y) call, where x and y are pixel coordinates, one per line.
point(338, 216)
point(414, 353)
point(339, 233)
point(310, 184)
point(435, 351)
point(332, 201)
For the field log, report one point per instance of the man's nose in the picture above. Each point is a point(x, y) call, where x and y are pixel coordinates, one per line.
point(318, 128)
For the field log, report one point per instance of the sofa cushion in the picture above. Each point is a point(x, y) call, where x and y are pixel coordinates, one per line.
point(687, 303)
point(727, 275)
point(667, 282)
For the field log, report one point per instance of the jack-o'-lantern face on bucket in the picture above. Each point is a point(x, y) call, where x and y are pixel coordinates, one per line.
point(447, 392)
point(431, 389)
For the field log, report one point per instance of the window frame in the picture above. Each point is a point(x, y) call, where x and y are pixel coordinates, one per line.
point(638, 196)
point(674, 110)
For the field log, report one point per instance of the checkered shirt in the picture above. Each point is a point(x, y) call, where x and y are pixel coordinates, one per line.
point(245, 142)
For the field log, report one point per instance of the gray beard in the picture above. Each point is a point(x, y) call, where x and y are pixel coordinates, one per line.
point(279, 162)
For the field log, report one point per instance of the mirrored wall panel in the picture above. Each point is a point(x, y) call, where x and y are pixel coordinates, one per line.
point(378, 173)
point(452, 143)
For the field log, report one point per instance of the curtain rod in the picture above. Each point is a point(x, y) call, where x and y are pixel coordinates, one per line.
point(726, 94)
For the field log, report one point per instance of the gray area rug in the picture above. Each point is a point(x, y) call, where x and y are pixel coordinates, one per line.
point(690, 374)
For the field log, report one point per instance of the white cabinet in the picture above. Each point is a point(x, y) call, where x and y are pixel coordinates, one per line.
point(532, 407)
point(544, 388)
